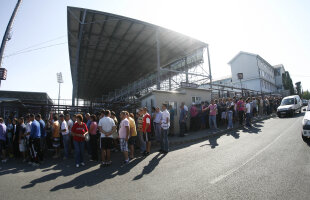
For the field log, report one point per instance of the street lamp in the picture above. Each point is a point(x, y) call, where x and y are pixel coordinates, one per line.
point(59, 81)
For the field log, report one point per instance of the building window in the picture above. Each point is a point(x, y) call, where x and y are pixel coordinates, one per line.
point(196, 100)
point(174, 105)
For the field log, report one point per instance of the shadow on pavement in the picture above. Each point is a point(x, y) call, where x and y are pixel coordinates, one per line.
point(151, 166)
point(96, 176)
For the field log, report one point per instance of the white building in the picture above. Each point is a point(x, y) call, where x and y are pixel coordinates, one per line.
point(175, 98)
point(258, 74)
point(278, 71)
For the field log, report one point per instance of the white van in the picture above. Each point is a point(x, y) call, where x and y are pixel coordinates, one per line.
point(289, 106)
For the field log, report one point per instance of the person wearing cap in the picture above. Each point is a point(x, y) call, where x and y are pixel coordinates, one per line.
point(65, 135)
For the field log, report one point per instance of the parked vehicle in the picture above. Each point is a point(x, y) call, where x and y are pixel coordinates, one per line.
point(289, 106)
point(305, 102)
point(305, 131)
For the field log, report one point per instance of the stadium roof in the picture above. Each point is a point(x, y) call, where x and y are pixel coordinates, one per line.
point(108, 51)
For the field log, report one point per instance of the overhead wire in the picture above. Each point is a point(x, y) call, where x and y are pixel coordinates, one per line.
point(30, 50)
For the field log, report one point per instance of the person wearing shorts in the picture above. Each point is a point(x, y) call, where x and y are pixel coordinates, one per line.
point(146, 128)
point(124, 132)
point(106, 127)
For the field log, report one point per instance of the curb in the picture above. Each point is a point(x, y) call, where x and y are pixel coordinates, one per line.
point(219, 133)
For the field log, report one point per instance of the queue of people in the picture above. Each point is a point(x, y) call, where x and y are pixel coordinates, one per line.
point(98, 134)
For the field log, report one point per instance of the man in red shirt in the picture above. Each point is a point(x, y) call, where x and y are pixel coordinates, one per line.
point(146, 128)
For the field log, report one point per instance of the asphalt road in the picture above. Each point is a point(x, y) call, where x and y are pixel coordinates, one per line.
point(268, 161)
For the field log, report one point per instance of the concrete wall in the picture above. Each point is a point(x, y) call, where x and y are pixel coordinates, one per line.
point(182, 95)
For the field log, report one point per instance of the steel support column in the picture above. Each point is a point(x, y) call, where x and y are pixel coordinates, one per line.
point(186, 70)
point(77, 59)
point(210, 74)
point(158, 60)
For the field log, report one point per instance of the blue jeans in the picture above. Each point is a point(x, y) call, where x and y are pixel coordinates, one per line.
point(157, 131)
point(164, 143)
point(78, 151)
point(229, 116)
point(248, 118)
point(66, 140)
point(142, 142)
point(212, 121)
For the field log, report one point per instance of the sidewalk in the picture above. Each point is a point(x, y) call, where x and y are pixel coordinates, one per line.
point(208, 133)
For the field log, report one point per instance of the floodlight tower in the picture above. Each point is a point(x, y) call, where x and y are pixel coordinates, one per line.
point(59, 81)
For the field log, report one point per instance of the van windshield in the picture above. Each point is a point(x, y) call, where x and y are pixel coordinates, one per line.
point(287, 102)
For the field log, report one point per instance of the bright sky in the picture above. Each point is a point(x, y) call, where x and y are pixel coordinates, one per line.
point(277, 30)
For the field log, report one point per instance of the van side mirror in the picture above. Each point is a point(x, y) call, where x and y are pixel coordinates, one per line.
point(304, 109)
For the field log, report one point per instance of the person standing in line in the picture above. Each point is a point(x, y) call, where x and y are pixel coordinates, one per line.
point(16, 128)
point(115, 133)
point(182, 121)
point(254, 102)
point(93, 138)
point(43, 136)
point(261, 107)
point(248, 112)
point(153, 126)
point(106, 127)
point(146, 128)
point(203, 116)
point(140, 130)
point(70, 125)
point(241, 109)
point(79, 130)
point(224, 112)
point(212, 114)
point(9, 130)
point(165, 123)
point(157, 124)
point(65, 135)
point(3, 134)
point(193, 120)
point(171, 128)
point(35, 136)
point(124, 133)
point(87, 143)
point(21, 138)
point(186, 115)
point(230, 109)
point(28, 130)
point(133, 134)
point(56, 136)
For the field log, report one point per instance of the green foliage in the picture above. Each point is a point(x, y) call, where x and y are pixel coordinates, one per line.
point(305, 95)
point(287, 82)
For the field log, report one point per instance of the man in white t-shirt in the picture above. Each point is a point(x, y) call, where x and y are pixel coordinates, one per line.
point(28, 130)
point(106, 127)
point(70, 125)
point(65, 135)
point(248, 112)
point(165, 124)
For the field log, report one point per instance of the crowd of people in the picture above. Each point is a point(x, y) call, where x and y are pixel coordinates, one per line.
point(225, 112)
point(30, 136)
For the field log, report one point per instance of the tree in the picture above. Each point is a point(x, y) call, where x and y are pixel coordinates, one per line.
point(306, 95)
point(298, 88)
point(287, 82)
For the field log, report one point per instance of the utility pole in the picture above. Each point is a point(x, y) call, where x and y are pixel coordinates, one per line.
point(59, 81)
point(7, 32)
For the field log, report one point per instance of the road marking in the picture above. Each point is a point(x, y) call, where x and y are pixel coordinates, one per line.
point(228, 173)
